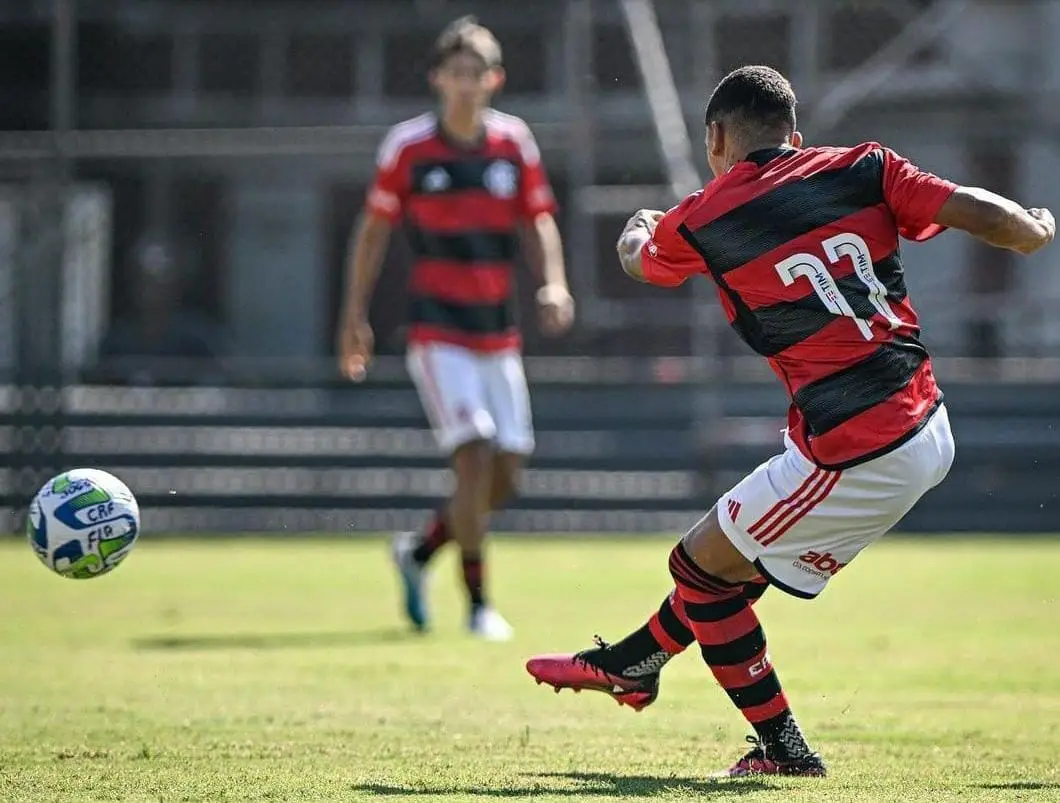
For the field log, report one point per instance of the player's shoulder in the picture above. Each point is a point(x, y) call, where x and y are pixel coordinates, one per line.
point(504, 124)
point(505, 127)
point(405, 135)
point(678, 215)
point(681, 210)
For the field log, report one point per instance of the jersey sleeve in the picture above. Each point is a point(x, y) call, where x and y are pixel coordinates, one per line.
point(390, 186)
point(667, 259)
point(535, 192)
point(914, 196)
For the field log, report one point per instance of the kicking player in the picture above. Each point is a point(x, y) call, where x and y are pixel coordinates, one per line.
point(802, 245)
point(467, 182)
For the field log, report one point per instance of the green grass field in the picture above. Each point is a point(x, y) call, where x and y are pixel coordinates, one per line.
point(280, 670)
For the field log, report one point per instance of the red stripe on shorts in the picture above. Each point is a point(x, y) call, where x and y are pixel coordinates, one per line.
point(430, 385)
point(799, 511)
point(780, 506)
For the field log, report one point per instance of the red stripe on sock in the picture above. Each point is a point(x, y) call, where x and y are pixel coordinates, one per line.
point(740, 675)
point(695, 579)
point(760, 713)
point(661, 636)
point(694, 595)
point(714, 634)
point(437, 532)
point(677, 605)
point(681, 571)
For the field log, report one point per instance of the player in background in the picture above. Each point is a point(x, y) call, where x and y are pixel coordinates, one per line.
point(802, 246)
point(468, 184)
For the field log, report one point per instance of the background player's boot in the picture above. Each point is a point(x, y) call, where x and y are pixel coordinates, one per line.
point(487, 624)
point(413, 578)
point(757, 762)
point(585, 670)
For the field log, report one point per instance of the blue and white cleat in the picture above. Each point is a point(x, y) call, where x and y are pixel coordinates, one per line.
point(413, 577)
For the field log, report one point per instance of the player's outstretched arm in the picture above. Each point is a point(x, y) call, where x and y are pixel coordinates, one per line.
point(367, 248)
point(996, 220)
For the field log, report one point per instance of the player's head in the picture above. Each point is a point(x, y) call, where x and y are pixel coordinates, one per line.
point(466, 65)
point(752, 108)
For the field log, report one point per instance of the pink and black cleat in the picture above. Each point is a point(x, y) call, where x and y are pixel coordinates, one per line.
point(581, 670)
point(756, 762)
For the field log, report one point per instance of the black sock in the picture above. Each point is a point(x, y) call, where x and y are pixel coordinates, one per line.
point(434, 537)
point(646, 650)
point(782, 738)
point(473, 578)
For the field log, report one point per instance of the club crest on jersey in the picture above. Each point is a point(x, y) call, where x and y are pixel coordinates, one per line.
point(501, 179)
point(437, 180)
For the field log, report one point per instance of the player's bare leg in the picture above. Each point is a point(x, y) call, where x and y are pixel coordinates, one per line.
point(468, 517)
point(460, 519)
point(507, 468)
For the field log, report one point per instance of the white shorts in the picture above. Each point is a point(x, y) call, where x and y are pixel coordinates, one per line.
point(470, 396)
point(800, 524)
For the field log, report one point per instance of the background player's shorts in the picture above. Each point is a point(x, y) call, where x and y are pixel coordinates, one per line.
point(800, 524)
point(470, 395)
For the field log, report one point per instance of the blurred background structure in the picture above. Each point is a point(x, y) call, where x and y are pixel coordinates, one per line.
point(178, 179)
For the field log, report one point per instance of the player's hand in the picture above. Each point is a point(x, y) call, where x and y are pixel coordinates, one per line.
point(646, 218)
point(1048, 229)
point(356, 344)
point(555, 309)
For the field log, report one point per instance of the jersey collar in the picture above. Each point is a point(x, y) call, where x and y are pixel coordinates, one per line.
point(764, 156)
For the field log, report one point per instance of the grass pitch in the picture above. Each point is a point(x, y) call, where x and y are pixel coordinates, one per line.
point(280, 670)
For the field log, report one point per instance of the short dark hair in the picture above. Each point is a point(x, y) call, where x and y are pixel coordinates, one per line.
point(757, 100)
point(465, 35)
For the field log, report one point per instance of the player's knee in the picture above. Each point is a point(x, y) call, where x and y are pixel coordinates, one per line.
point(710, 550)
point(473, 465)
point(505, 482)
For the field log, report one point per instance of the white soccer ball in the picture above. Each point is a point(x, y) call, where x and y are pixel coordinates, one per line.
point(83, 523)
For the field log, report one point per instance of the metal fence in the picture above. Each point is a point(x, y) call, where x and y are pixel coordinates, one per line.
point(178, 181)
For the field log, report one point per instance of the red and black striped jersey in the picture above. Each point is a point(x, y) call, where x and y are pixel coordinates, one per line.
point(462, 207)
point(802, 245)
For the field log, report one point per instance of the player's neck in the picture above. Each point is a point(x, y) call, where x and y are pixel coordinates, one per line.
point(464, 128)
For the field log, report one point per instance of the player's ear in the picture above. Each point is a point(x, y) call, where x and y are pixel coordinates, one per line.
point(796, 139)
point(432, 79)
point(715, 139)
point(495, 79)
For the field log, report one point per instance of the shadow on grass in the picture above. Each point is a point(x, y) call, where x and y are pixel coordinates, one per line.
point(273, 641)
point(588, 784)
point(1025, 786)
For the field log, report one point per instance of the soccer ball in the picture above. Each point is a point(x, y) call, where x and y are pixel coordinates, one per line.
point(83, 523)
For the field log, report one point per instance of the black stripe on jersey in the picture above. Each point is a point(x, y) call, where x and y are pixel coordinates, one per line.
point(830, 401)
point(467, 246)
point(790, 211)
point(787, 323)
point(890, 272)
point(459, 174)
point(479, 319)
